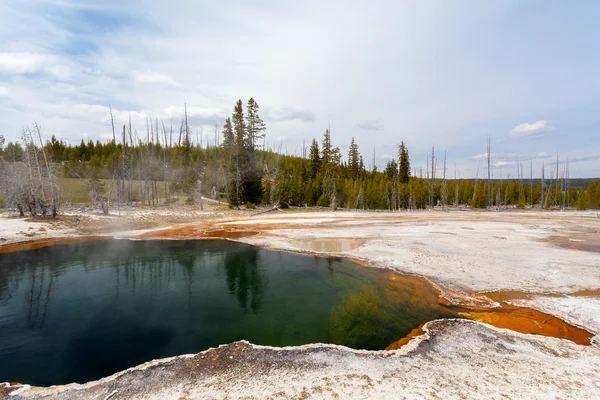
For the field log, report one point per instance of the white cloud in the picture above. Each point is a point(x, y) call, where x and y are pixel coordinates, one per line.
point(178, 111)
point(501, 163)
point(290, 114)
point(64, 78)
point(22, 63)
point(3, 91)
point(386, 156)
point(153, 77)
point(25, 63)
point(481, 156)
point(530, 130)
point(542, 155)
point(197, 116)
point(370, 125)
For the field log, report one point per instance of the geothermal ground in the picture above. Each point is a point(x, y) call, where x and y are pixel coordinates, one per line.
point(547, 262)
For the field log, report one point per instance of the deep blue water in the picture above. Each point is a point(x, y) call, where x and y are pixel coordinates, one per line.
point(82, 311)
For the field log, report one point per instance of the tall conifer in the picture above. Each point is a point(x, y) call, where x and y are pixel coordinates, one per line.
point(315, 158)
point(404, 163)
point(255, 126)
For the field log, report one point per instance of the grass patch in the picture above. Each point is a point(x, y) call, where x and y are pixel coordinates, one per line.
point(75, 191)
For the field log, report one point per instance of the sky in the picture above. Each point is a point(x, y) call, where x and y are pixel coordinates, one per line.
point(445, 73)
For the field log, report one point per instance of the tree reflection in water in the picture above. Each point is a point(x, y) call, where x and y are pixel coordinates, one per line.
point(93, 308)
point(245, 279)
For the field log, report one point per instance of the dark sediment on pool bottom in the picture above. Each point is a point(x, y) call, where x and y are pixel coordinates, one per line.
point(94, 308)
point(475, 353)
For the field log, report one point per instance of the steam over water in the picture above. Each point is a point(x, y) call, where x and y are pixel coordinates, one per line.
point(82, 311)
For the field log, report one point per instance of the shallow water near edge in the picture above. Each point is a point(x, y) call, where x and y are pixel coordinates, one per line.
point(81, 311)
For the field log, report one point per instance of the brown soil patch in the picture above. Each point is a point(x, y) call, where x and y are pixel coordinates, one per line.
point(584, 247)
point(587, 241)
point(229, 234)
point(38, 244)
point(586, 293)
point(508, 295)
point(189, 232)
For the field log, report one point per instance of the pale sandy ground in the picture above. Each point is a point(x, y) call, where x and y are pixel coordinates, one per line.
point(13, 229)
point(461, 252)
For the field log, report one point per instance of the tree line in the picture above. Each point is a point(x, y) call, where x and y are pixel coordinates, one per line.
point(164, 164)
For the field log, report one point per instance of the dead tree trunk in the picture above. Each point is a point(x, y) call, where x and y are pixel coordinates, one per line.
point(432, 196)
point(557, 183)
point(456, 199)
point(543, 200)
point(123, 166)
point(444, 194)
point(489, 172)
point(131, 169)
point(531, 182)
point(53, 188)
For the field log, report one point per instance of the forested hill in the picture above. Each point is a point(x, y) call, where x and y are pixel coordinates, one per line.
point(574, 183)
point(240, 172)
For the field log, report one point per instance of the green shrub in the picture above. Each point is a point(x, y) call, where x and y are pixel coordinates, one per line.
point(583, 201)
point(323, 201)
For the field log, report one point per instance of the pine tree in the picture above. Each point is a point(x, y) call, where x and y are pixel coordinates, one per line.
point(583, 200)
point(353, 159)
point(331, 175)
point(248, 176)
point(326, 150)
point(593, 194)
point(228, 145)
point(228, 137)
point(254, 124)
point(404, 163)
point(315, 158)
point(391, 169)
point(240, 159)
point(239, 125)
point(330, 166)
point(228, 157)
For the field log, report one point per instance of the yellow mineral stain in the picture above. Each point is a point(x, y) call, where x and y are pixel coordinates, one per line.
point(530, 321)
point(413, 334)
point(421, 293)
